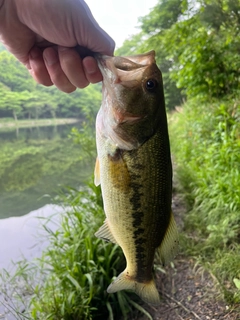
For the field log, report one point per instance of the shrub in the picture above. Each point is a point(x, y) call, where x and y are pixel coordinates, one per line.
point(206, 144)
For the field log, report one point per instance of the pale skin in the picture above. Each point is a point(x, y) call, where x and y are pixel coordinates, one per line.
point(43, 34)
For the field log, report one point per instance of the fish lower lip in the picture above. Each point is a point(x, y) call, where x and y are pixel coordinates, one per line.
point(122, 117)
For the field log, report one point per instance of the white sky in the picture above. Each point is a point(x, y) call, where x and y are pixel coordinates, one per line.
point(119, 18)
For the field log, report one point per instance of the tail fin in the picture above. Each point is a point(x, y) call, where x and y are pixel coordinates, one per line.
point(146, 291)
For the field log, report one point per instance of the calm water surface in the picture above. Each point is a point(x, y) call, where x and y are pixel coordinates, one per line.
point(35, 165)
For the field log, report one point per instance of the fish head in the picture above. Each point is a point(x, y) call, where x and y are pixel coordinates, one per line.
point(133, 99)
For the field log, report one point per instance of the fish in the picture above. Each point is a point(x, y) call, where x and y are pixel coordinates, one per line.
point(134, 170)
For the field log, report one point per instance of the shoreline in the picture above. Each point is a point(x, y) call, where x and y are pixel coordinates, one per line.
point(36, 123)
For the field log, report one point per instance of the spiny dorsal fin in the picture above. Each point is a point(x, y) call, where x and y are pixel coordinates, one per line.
point(97, 173)
point(169, 246)
point(105, 233)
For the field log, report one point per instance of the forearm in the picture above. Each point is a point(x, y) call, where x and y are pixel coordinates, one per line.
point(1, 3)
point(16, 36)
point(7, 12)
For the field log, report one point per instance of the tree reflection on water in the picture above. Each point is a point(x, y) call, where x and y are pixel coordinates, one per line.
point(35, 164)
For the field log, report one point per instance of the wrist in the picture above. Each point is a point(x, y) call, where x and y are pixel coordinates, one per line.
point(9, 24)
point(2, 15)
point(5, 15)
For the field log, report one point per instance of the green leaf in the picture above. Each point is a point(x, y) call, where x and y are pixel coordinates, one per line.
point(74, 282)
point(237, 283)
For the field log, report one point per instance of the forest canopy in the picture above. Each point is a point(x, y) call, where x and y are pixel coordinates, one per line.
point(22, 98)
point(197, 46)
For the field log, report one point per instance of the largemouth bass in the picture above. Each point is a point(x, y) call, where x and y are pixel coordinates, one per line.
point(134, 170)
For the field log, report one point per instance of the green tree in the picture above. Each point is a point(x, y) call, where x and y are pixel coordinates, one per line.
point(21, 97)
point(13, 74)
point(12, 101)
point(153, 29)
point(197, 46)
point(2, 48)
point(205, 49)
point(38, 104)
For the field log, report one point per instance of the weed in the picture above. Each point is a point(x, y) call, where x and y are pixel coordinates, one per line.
point(69, 281)
point(206, 144)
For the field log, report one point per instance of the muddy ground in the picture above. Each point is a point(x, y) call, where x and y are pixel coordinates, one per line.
point(188, 292)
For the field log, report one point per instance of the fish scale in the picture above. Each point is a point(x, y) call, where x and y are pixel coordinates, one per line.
point(134, 170)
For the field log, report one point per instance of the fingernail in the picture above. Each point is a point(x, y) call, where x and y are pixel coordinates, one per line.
point(90, 65)
point(50, 56)
point(91, 70)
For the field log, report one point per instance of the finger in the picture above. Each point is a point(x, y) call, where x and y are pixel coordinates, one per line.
point(71, 64)
point(91, 69)
point(57, 75)
point(37, 67)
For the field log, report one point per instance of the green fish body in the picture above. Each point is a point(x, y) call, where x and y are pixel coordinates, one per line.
point(134, 170)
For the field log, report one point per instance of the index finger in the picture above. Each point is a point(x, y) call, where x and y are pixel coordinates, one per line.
point(92, 72)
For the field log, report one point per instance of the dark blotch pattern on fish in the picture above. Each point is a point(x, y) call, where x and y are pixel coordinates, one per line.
point(135, 168)
point(137, 222)
point(138, 232)
point(135, 201)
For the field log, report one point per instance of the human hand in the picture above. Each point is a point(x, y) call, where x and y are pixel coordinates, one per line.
point(43, 35)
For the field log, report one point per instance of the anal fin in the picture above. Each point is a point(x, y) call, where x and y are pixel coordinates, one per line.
point(105, 233)
point(168, 248)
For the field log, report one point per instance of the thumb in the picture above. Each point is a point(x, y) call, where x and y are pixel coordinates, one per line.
point(89, 34)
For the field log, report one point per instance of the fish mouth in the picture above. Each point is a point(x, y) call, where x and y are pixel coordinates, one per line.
point(127, 117)
point(126, 71)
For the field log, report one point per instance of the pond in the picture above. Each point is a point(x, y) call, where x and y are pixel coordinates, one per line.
point(35, 165)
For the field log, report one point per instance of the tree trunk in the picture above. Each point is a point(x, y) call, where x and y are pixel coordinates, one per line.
point(15, 115)
point(36, 113)
point(53, 113)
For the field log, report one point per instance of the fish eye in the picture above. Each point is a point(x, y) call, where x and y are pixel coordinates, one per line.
point(151, 85)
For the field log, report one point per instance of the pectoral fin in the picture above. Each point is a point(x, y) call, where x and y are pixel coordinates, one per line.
point(97, 173)
point(105, 233)
point(169, 246)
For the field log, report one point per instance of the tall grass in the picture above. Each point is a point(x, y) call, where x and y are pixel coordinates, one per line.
point(69, 281)
point(205, 141)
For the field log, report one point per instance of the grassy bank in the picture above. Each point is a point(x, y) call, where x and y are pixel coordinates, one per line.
point(206, 145)
point(10, 123)
point(70, 280)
